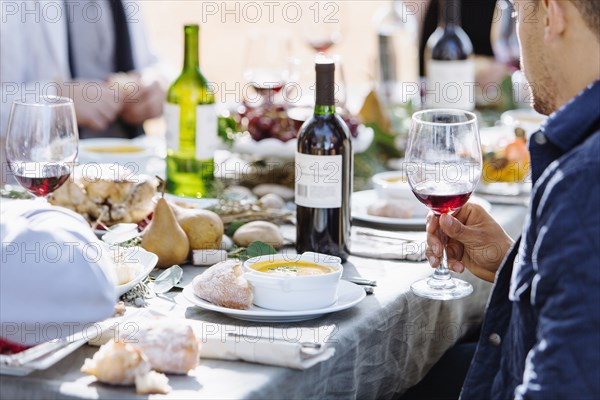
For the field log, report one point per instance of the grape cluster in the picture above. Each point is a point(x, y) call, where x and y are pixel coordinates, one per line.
point(272, 121)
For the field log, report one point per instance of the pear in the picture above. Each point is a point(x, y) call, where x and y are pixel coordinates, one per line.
point(164, 237)
point(203, 228)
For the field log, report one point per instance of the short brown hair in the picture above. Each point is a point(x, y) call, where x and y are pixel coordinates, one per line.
point(590, 11)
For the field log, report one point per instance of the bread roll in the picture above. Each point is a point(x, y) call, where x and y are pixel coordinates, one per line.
point(117, 363)
point(170, 347)
point(120, 363)
point(224, 284)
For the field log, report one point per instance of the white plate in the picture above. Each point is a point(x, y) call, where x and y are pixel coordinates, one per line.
point(349, 295)
point(518, 189)
point(148, 261)
point(362, 200)
point(276, 148)
point(526, 118)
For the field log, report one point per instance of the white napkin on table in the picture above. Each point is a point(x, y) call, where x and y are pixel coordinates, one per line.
point(295, 347)
point(383, 245)
point(274, 348)
point(388, 245)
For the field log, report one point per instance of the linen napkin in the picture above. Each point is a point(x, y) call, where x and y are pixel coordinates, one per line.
point(294, 347)
point(384, 245)
point(375, 243)
point(266, 345)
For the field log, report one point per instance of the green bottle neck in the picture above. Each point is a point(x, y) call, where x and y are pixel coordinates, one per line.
point(191, 61)
point(324, 110)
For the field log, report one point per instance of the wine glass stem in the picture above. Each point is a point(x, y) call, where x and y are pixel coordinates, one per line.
point(442, 272)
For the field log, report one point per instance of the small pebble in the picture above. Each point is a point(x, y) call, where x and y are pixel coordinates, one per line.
point(282, 191)
point(139, 302)
point(242, 191)
point(264, 231)
point(272, 200)
point(226, 243)
point(208, 257)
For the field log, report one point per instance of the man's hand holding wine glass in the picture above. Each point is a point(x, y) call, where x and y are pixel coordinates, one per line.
point(475, 241)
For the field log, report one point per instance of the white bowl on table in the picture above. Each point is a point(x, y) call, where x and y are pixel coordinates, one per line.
point(285, 292)
point(132, 153)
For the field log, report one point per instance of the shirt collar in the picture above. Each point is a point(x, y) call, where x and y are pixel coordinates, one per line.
point(569, 125)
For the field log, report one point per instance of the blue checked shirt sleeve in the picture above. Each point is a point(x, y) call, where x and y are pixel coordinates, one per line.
point(565, 291)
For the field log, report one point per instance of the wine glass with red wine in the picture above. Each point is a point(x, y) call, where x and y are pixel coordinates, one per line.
point(267, 63)
point(42, 143)
point(324, 31)
point(443, 167)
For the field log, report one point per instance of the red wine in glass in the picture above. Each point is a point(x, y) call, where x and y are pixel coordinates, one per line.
point(442, 202)
point(265, 87)
point(266, 81)
point(41, 179)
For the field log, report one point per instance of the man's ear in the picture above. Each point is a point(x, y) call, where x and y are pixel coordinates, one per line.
point(554, 19)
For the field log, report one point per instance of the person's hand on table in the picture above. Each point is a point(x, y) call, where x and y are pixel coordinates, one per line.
point(475, 241)
point(145, 101)
point(96, 105)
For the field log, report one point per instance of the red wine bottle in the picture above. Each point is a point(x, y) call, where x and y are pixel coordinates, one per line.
point(449, 63)
point(324, 174)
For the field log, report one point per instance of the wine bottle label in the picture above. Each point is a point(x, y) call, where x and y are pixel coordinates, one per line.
point(171, 114)
point(207, 140)
point(318, 181)
point(451, 84)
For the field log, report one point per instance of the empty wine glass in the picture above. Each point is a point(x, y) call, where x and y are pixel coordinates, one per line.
point(443, 168)
point(267, 63)
point(42, 143)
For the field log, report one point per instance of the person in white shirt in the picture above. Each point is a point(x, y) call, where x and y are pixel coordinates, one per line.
point(55, 278)
point(74, 49)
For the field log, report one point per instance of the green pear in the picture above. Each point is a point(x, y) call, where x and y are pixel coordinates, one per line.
point(203, 228)
point(165, 238)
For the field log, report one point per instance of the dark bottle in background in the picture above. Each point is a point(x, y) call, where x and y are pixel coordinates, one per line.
point(324, 174)
point(449, 63)
point(505, 42)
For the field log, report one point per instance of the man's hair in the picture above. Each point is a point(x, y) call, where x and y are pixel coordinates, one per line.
point(590, 11)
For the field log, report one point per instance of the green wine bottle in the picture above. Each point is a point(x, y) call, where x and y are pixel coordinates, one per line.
point(191, 118)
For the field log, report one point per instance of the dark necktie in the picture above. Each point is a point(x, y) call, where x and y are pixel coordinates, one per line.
point(70, 43)
point(123, 51)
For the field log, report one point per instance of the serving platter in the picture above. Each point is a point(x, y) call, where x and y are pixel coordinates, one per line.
point(276, 148)
point(349, 295)
point(361, 201)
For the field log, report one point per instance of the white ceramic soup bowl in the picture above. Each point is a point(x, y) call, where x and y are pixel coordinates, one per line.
point(286, 292)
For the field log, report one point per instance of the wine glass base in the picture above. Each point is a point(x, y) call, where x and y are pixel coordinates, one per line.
point(437, 289)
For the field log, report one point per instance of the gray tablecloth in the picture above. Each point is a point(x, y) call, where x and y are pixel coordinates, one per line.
point(384, 345)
